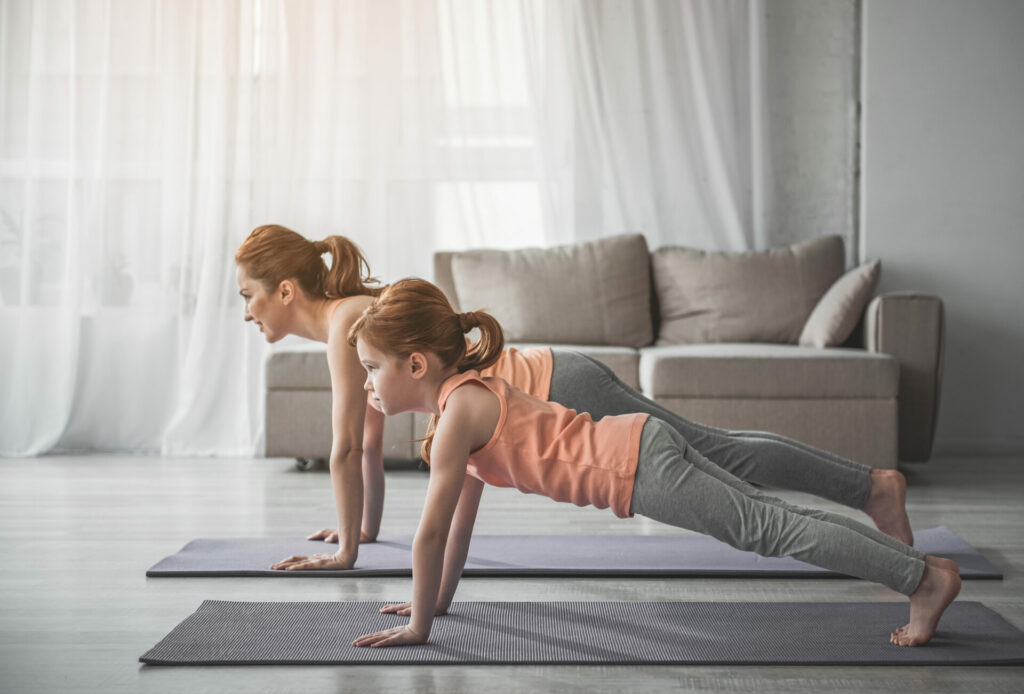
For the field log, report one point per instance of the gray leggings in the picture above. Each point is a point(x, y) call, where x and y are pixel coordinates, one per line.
point(586, 385)
point(675, 484)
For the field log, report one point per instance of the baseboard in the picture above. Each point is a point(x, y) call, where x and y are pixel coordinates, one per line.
point(985, 447)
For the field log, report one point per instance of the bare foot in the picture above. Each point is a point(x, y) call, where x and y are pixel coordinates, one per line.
point(939, 586)
point(887, 504)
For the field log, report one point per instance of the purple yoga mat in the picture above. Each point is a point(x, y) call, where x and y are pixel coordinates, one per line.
point(540, 555)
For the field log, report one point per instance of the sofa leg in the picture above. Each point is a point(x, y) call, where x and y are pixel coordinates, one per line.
point(305, 464)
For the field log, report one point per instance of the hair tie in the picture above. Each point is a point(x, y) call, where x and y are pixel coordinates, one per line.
point(468, 321)
point(321, 247)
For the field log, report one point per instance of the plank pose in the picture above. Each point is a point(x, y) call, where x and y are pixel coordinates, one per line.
point(414, 349)
point(288, 289)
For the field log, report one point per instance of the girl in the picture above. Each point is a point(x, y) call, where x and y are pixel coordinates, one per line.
point(413, 347)
point(289, 290)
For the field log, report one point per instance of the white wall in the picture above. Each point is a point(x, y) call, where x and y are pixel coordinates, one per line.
point(942, 196)
point(810, 76)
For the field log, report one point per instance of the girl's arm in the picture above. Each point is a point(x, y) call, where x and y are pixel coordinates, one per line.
point(457, 550)
point(468, 422)
point(458, 541)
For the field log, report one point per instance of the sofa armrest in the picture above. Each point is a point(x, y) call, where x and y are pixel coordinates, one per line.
point(911, 327)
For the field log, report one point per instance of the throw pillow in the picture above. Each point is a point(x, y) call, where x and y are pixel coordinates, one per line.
point(836, 315)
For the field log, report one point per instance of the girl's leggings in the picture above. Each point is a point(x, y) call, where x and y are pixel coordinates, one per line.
point(772, 460)
point(677, 485)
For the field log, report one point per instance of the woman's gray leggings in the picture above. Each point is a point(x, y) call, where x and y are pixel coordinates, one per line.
point(675, 484)
point(586, 385)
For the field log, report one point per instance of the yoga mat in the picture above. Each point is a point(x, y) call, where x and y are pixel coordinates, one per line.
point(726, 633)
point(541, 555)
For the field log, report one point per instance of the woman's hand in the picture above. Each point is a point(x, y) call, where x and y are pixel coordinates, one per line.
point(327, 535)
point(405, 609)
point(315, 561)
point(331, 535)
point(399, 636)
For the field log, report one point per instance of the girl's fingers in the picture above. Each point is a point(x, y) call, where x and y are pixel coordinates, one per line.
point(397, 608)
point(370, 639)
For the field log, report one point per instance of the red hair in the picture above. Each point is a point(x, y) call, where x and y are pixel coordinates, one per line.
point(413, 315)
point(273, 253)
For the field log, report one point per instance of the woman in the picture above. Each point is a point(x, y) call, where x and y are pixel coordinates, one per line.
point(290, 290)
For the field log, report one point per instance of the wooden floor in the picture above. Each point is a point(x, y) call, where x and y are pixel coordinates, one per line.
point(76, 610)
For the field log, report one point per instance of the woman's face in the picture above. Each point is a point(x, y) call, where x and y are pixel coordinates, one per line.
point(261, 307)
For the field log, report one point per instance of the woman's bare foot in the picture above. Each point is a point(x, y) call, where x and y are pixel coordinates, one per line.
point(887, 504)
point(940, 584)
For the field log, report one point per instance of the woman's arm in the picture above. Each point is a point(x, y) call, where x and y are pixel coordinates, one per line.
point(373, 479)
point(348, 412)
point(373, 473)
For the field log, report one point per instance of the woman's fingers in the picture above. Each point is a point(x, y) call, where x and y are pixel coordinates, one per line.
point(324, 560)
point(327, 535)
point(285, 563)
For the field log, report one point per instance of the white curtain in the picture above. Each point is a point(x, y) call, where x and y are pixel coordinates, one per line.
point(141, 140)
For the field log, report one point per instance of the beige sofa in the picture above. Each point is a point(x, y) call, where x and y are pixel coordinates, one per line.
point(782, 340)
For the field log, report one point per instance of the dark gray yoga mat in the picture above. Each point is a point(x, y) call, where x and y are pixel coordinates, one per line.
point(321, 633)
point(541, 555)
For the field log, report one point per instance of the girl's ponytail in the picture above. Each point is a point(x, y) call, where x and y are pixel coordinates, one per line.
point(485, 351)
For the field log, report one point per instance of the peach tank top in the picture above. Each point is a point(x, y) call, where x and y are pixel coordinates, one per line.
point(543, 448)
point(529, 370)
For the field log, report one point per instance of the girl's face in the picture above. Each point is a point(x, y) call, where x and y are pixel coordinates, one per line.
point(264, 309)
point(389, 379)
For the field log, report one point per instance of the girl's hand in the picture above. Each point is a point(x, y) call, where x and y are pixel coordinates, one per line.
point(331, 535)
point(405, 609)
point(316, 561)
point(399, 636)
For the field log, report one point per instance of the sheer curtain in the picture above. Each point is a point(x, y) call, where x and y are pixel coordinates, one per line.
point(141, 140)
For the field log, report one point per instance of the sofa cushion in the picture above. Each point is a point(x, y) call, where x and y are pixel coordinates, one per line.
point(300, 367)
point(765, 296)
point(596, 292)
point(754, 370)
point(839, 311)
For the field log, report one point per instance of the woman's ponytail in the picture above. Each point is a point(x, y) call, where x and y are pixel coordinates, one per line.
point(349, 273)
point(273, 253)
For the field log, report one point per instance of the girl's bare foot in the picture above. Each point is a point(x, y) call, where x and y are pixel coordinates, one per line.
point(940, 584)
point(887, 504)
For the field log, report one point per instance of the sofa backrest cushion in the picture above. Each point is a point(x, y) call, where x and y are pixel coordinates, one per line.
point(762, 296)
point(591, 293)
